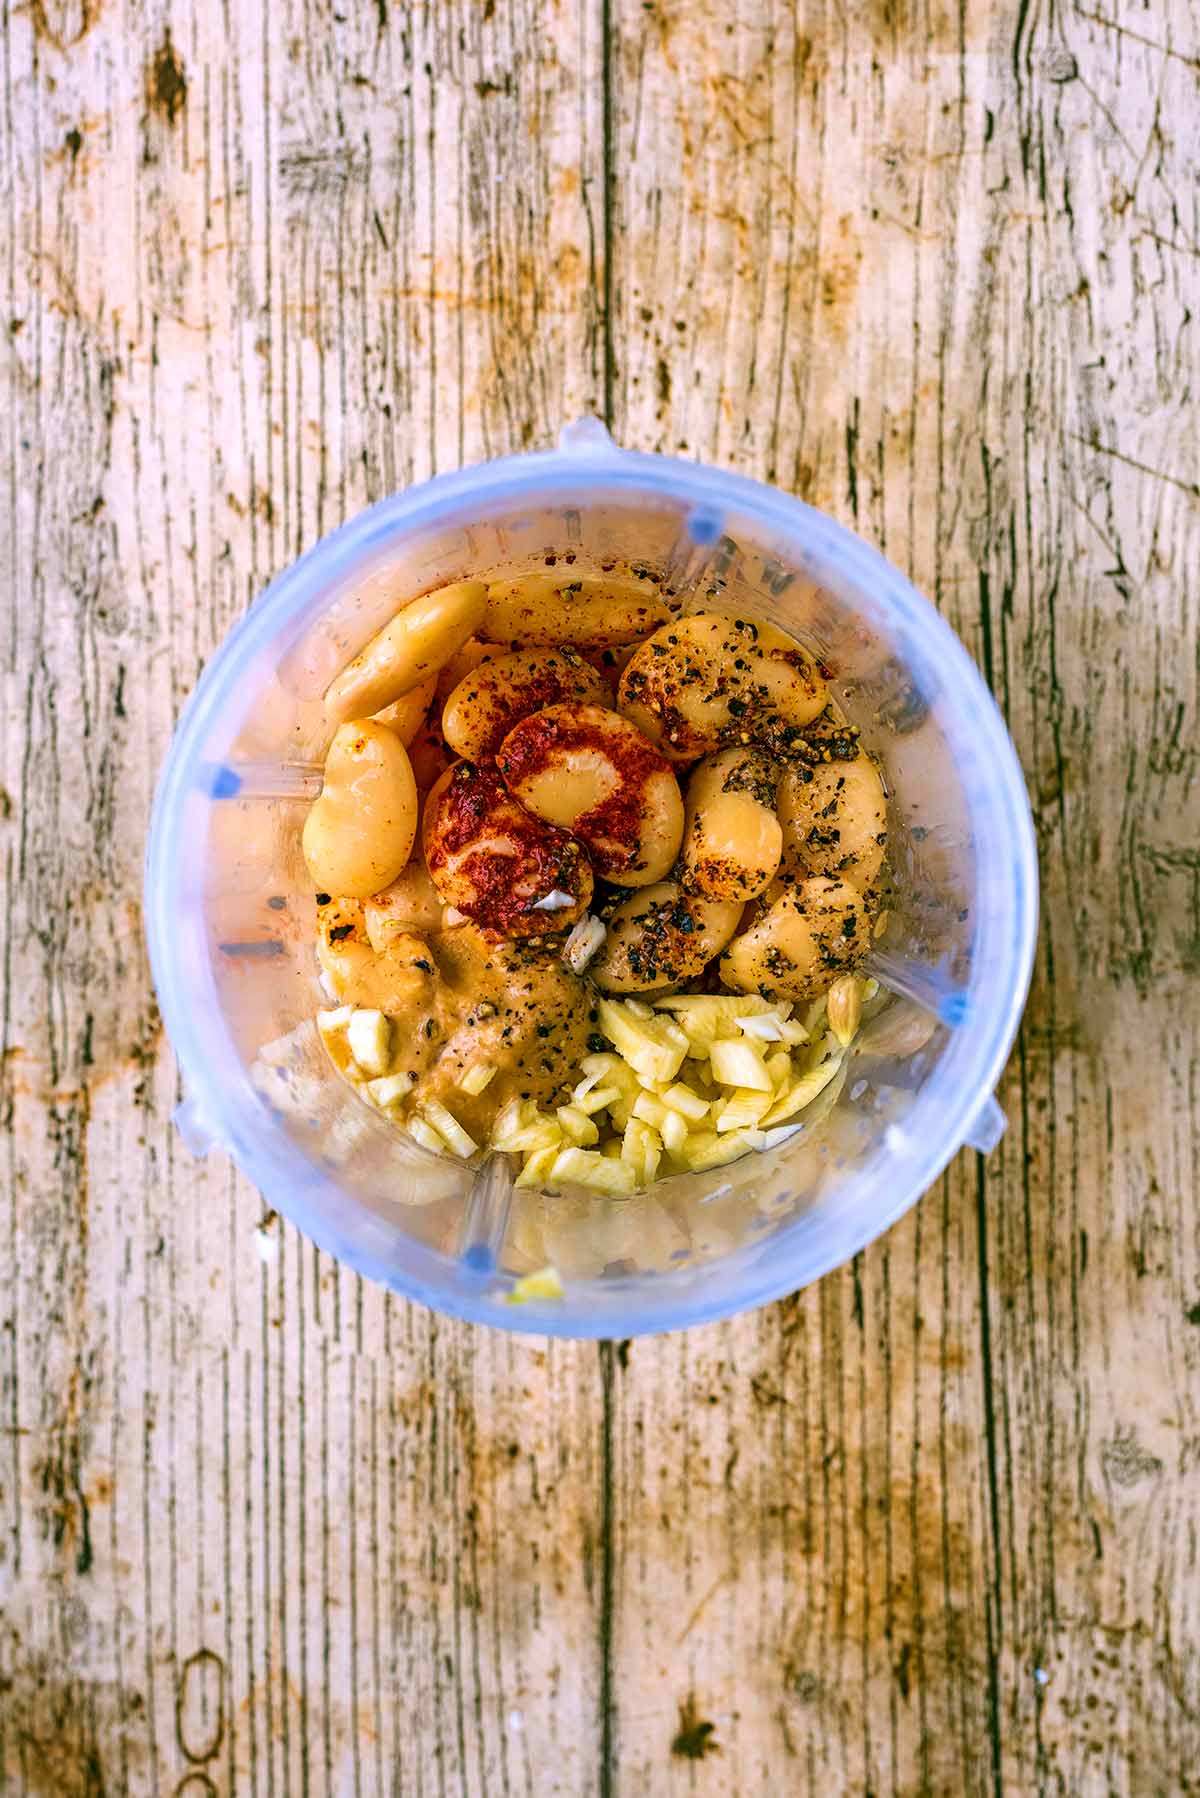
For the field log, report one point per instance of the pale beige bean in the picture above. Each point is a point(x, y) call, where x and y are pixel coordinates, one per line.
point(411, 903)
point(659, 937)
point(490, 858)
point(428, 754)
point(732, 840)
point(359, 832)
point(488, 702)
point(414, 645)
point(475, 653)
point(804, 936)
point(398, 979)
point(702, 682)
point(592, 612)
point(404, 717)
point(340, 928)
point(592, 772)
point(834, 819)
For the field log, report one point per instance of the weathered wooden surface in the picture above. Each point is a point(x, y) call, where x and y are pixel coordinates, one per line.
point(928, 1528)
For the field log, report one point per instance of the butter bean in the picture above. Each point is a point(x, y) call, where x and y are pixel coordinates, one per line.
point(413, 646)
point(397, 978)
point(491, 859)
point(705, 681)
point(660, 936)
point(404, 717)
point(587, 612)
point(803, 937)
point(593, 773)
point(732, 840)
point(488, 702)
point(359, 832)
point(834, 819)
point(410, 903)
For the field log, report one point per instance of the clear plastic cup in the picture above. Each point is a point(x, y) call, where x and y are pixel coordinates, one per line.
point(230, 911)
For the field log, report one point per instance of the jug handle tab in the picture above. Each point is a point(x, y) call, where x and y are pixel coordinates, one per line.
point(199, 1133)
point(986, 1127)
point(588, 436)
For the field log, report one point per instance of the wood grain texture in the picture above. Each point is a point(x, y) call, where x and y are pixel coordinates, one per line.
point(928, 1528)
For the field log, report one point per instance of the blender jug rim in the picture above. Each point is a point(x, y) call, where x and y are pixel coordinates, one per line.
point(231, 1114)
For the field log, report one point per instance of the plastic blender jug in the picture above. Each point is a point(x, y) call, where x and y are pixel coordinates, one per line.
point(230, 909)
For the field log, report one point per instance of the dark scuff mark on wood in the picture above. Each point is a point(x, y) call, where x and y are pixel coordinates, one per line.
point(166, 81)
point(696, 1737)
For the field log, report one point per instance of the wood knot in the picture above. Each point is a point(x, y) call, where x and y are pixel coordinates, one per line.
point(166, 82)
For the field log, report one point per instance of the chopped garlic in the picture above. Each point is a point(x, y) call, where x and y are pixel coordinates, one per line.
point(802, 1092)
point(536, 1171)
point(426, 1135)
point(369, 1035)
point(686, 1102)
point(477, 1078)
point(707, 1150)
point(587, 1168)
point(674, 1132)
point(766, 1026)
point(329, 1022)
point(577, 1126)
point(740, 1064)
point(389, 1091)
point(744, 1110)
point(555, 900)
point(654, 1047)
point(584, 942)
point(649, 1110)
point(597, 1099)
point(843, 1008)
point(544, 1284)
point(448, 1126)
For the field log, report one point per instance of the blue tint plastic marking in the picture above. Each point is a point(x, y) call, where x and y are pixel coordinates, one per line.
point(218, 781)
point(704, 527)
point(952, 1009)
point(479, 1258)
